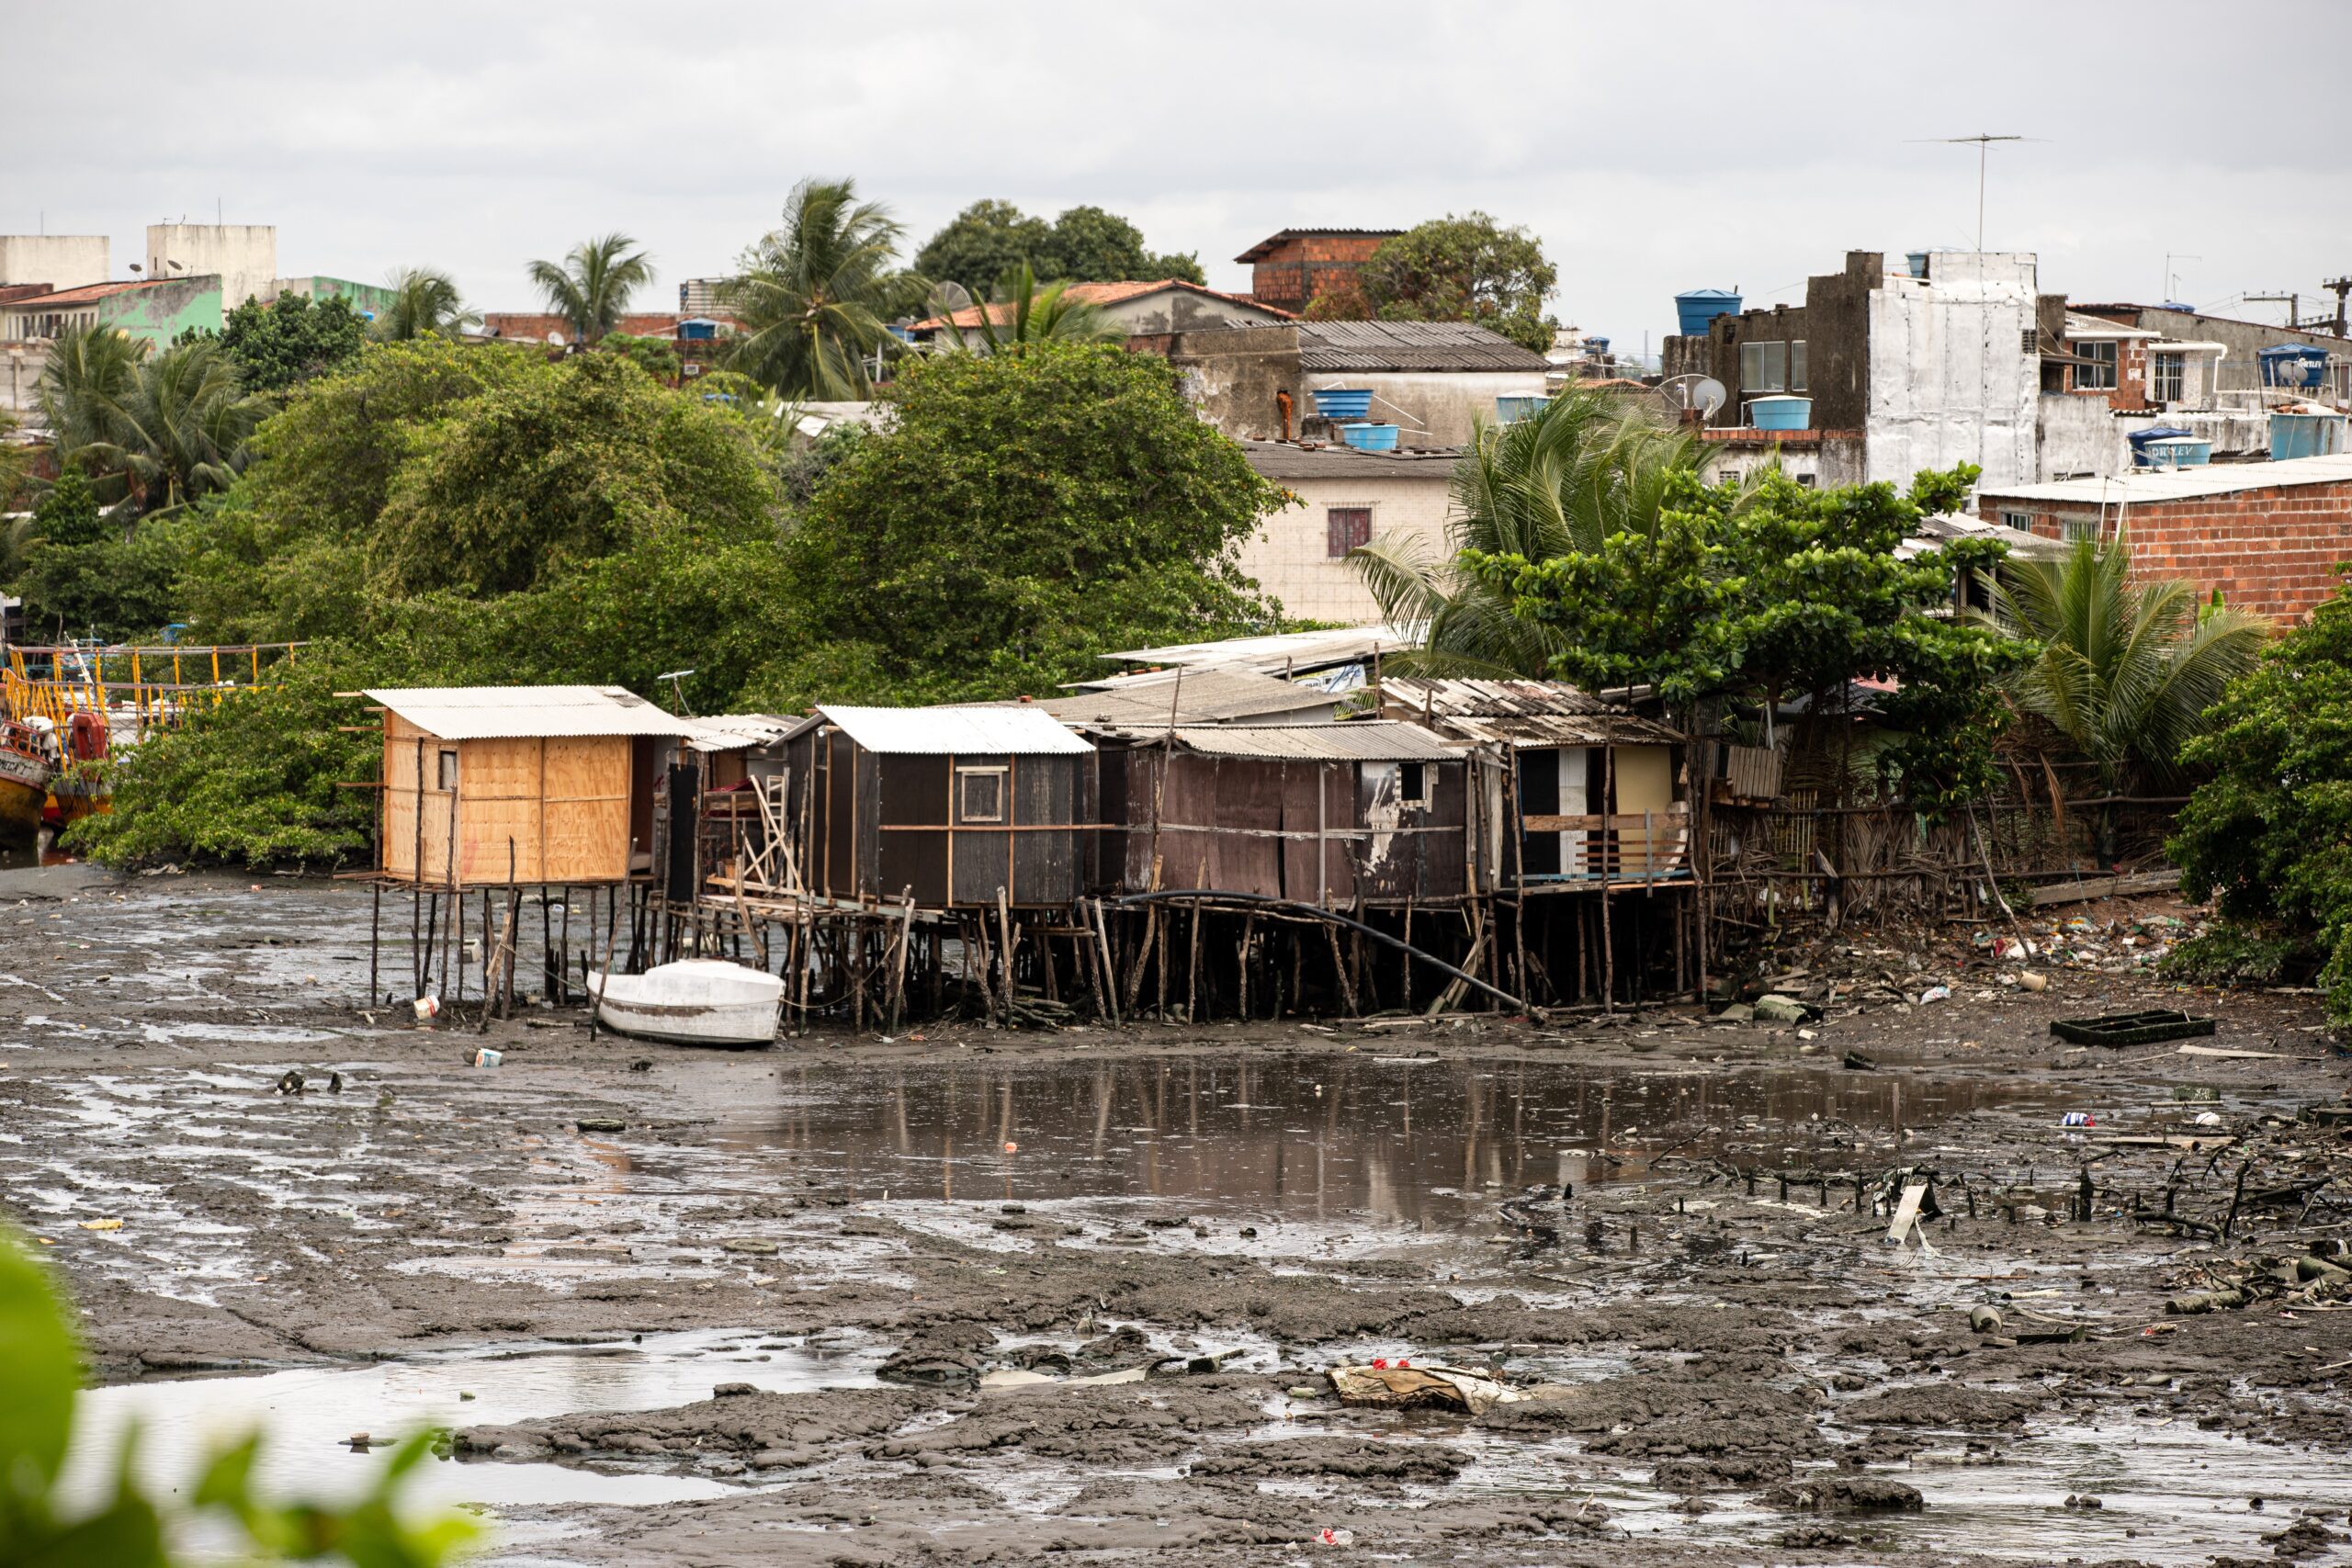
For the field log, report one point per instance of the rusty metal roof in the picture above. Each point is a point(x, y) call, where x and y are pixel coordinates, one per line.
point(739, 731)
point(1009, 730)
point(1356, 740)
point(508, 713)
point(1200, 696)
point(1520, 713)
point(1410, 345)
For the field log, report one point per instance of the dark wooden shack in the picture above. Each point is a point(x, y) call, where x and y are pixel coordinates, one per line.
point(1359, 814)
point(961, 807)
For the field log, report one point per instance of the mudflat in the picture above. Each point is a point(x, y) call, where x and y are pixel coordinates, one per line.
point(977, 1296)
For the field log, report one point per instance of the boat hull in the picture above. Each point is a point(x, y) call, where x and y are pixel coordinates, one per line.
point(24, 791)
point(697, 1001)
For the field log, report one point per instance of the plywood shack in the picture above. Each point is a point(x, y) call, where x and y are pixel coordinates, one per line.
point(1599, 794)
point(960, 806)
point(1339, 815)
point(493, 785)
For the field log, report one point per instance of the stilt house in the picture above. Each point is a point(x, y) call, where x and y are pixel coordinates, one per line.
point(494, 785)
point(1599, 793)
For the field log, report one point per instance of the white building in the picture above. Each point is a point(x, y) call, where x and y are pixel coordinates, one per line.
point(245, 256)
point(1341, 498)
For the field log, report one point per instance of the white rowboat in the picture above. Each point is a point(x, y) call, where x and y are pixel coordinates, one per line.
point(696, 1001)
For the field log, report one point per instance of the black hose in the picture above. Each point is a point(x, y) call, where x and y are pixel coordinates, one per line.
point(1262, 901)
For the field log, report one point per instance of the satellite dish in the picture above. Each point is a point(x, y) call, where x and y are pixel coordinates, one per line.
point(555, 339)
point(1701, 395)
point(949, 297)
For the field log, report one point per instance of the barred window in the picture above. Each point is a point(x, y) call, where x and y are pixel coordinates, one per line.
point(1346, 528)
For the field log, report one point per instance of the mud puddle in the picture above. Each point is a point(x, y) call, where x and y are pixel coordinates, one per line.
point(308, 1414)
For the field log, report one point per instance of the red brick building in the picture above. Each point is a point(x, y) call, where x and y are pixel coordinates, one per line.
point(2268, 536)
point(1290, 268)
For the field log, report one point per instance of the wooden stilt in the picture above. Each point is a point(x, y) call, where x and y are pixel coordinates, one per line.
point(1192, 973)
point(375, 938)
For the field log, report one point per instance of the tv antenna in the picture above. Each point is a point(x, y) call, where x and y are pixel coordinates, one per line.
point(1983, 142)
point(1701, 395)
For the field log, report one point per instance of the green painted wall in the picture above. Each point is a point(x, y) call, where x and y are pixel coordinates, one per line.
point(158, 315)
point(371, 299)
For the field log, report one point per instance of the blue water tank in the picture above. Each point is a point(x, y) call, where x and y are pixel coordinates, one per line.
point(1370, 438)
point(2177, 452)
point(1342, 403)
point(1780, 413)
point(2306, 436)
point(2140, 439)
point(1700, 306)
point(2293, 365)
point(1918, 261)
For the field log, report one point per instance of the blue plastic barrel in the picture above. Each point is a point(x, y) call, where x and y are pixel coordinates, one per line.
point(1701, 305)
point(1780, 413)
point(1370, 438)
point(1342, 403)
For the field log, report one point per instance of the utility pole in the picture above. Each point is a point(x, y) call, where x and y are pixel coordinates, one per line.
point(2339, 287)
point(2292, 301)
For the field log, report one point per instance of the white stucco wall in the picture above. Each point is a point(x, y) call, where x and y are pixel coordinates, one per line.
point(1827, 463)
point(1435, 408)
point(61, 261)
point(245, 254)
point(1290, 555)
point(1951, 378)
point(2080, 437)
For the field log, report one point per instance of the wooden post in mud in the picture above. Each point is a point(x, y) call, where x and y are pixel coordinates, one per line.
point(375, 938)
point(1340, 966)
point(604, 975)
point(1249, 934)
point(1159, 962)
point(419, 961)
point(563, 957)
point(1193, 974)
point(1004, 927)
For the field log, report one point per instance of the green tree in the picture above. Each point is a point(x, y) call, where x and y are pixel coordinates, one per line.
point(82, 579)
point(124, 1528)
point(295, 337)
point(2268, 836)
point(1754, 595)
point(982, 244)
point(1466, 268)
point(1020, 515)
point(160, 429)
point(425, 303)
point(1090, 245)
point(591, 286)
point(1576, 473)
point(1022, 313)
point(656, 356)
point(814, 295)
point(2126, 673)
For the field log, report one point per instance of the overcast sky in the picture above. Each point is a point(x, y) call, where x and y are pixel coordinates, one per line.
point(1653, 148)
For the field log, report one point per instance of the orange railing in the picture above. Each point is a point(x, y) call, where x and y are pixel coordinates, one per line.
point(145, 685)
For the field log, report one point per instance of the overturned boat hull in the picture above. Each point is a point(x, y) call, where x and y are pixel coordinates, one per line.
point(24, 791)
point(696, 1001)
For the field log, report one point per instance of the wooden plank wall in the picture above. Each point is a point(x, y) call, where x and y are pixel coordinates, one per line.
point(561, 804)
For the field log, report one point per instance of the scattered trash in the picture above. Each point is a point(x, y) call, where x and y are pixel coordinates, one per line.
point(1335, 1538)
point(2031, 981)
point(486, 1057)
point(1906, 1218)
point(2209, 1119)
point(759, 1247)
point(1778, 1008)
point(2130, 1028)
point(642, 1065)
point(2227, 1054)
point(428, 1009)
point(101, 1224)
point(733, 1390)
point(334, 1083)
point(1011, 1148)
point(1935, 993)
point(1403, 1385)
point(1859, 1062)
point(604, 1125)
point(1985, 1319)
point(2078, 1119)
point(289, 1082)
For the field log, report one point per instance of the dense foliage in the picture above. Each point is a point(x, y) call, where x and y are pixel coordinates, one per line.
point(124, 1526)
point(815, 295)
point(81, 578)
point(425, 304)
point(1021, 312)
point(155, 431)
point(1085, 245)
point(288, 342)
point(1021, 516)
point(590, 287)
point(2268, 836)
point(1468, 268)
point(1762, 593)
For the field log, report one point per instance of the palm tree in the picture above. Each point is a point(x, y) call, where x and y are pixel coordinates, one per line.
point(425, 303)
point(590, 288)
point(2126, 671)
point(160, 429)
point(1569, 476)
point(1024, 313)
point(815, 294)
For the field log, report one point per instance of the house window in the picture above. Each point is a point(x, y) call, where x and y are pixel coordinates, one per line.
point(449, 779)
point(1804, 481)
point(2166, 383)
point(2094, 367)
point(1346, 528)
point(1411, 784)
point(2078, 529)
point(979, 794)
point(1726, 476)
point(1764, 368)
point(2020, 521)
point(1798, 381)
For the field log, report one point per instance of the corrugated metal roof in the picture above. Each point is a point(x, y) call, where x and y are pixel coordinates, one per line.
point(1278, 652)
point(1356, 740)
point(1287, 460)
point(1201, 696)
point(2139, 487)
point(739, 731)
point(1560, 730)
point(1490, 699)
point(1017, 730)
point(1410, 345)
point(496, 713)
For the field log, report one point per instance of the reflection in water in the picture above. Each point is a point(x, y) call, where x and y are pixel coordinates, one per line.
point(1401, 1138)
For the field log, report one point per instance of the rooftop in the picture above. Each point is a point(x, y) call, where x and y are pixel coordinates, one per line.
point(1521, 713)
point(1100, 294)
point(1410, 345)
point(1289, 460)
point(1194, 696)
point(506, 713)
point(1277, 652)
point(2137, 487)
point(1357, 741)
point(90, 292)
point(1007, 730)
point(1280, 237)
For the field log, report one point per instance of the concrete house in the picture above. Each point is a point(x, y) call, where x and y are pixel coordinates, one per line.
point(1289, 268)
point(1340, 498)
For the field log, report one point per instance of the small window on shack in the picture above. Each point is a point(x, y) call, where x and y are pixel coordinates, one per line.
point(979, 794)
point(448, 777)
point(2094, 367)
point(1411, 786)
point(1346, 528)
point(1764, 368)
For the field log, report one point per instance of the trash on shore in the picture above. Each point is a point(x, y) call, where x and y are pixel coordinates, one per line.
point(1404, 1386)
point(2130, 1028)
point(601, 1124)
point(486, 1057)
point(428, 1009)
